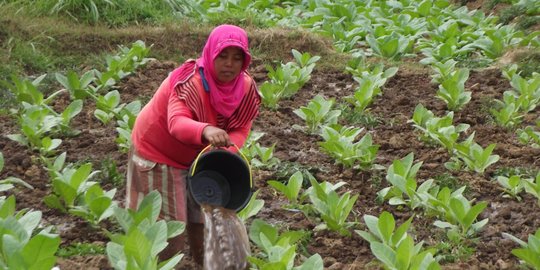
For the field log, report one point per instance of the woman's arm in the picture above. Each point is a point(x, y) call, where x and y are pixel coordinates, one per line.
point(181, 124)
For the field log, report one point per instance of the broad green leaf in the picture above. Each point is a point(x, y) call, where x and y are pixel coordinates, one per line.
point(314, 262)
point(39, 252)
point(385, 254)
point(138, 246)
point(386, 226)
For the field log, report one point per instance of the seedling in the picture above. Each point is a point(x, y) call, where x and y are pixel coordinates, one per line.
point(318, 113)
point(529, 253)
point(333, 209)
point(291, 190)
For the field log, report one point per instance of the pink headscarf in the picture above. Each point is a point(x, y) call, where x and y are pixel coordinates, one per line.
point(224, 97)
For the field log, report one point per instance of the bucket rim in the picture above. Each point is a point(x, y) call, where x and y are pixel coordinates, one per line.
point(238, 155)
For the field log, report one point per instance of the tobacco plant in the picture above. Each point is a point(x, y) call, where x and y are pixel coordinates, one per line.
point(271, 94)
point(402, 175)
point(452, 90)
point(68, 185)
point(279, 251)
point(494, 42)
point(532, 186)
point(95, 205)
point(527, 90)
point(443, 70)
point(122, 64)
point(512, 186)
point(27, 91)
point(291, 190)
point(460, 216)
point(529, 136)
point(339, 142)
point(529, 252)
point(393, 247)
point(36, 123)
point(392, 46)
point(78, 88)
point(318, 113)
point(143, 237)
point(22, 245)
point(332, 208)
point(437, 129)
point(474, 155)
point(252, 208)
point(508, 111)
point(287, 79)
point(248, 148)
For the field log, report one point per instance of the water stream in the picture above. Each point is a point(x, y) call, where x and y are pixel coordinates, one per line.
point(226, 243)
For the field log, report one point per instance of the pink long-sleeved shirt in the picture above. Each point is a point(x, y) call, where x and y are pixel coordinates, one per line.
point(168, 131)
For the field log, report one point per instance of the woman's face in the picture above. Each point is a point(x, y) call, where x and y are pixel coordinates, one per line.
point(228, 64)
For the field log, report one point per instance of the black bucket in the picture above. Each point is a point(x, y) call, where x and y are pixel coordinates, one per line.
point(220, 177)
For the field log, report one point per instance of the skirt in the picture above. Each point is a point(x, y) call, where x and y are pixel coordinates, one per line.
point(144, 176)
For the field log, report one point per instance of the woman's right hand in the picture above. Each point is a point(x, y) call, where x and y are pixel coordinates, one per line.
point(216, 136)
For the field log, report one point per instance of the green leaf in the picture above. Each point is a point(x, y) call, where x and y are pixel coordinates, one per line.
point(138, 246)
point(401, 231)
point(157, 235)
point(528, 256)
point(473, 213)
point(80, 176)
point(73, 109)
point(53, 201)
point(175, 228)
point(39, 252)
point(7, 208)
point(314, 262)
point(404, 253)
point(116, 255)
point(372, 224)
point(65, 191)
point(386, 226)
point(384, 253)
point(170, 263)
point(30, 221)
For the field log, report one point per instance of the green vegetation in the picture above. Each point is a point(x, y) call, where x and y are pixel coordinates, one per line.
point(80, 249)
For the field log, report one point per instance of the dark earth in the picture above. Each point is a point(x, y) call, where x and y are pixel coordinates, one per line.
point(396, 137)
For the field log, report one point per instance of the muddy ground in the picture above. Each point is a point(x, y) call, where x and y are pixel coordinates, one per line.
point(396, 137)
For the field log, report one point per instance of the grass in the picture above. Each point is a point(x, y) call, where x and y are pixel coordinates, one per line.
point(37, 45)
point(80, 249)
point(364, 119)
point(109, 173)
point(528, 63)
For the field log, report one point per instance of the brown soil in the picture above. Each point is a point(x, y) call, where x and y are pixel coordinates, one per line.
point(395, 136)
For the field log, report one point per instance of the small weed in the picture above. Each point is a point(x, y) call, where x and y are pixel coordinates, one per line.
point(489, 5)
point(109, 173)
point(527, 22)
point(447, 180)
point(453, 252)
point(80, 249)
point(365, 119)
point(377, 178)
point(511, 13)
point(511, 171)
point(467, 61)
point(286, 169)
point(529, 63)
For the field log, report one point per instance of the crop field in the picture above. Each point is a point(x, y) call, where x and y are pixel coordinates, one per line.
point(392, 134)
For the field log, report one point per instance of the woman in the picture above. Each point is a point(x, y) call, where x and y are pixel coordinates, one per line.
point(211, 100)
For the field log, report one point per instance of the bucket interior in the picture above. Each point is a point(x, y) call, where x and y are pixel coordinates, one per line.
point(232, 168)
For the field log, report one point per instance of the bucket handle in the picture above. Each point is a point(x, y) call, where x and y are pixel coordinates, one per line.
point(241, 154)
